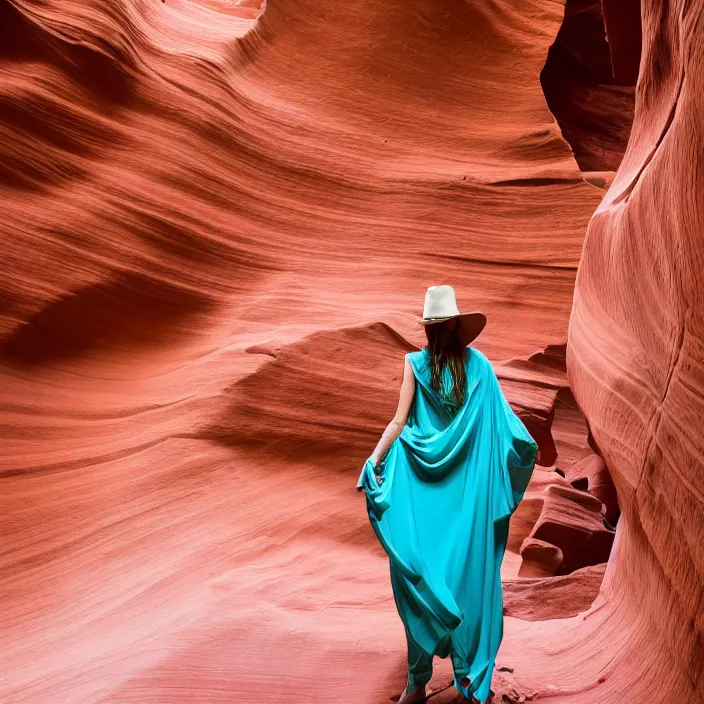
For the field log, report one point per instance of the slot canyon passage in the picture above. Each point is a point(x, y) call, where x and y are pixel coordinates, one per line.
point(219, 221)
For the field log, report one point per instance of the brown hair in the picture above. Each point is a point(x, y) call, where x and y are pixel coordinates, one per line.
point(445, 349)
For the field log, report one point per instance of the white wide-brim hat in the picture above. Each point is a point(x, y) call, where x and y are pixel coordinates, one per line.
point(441, 304)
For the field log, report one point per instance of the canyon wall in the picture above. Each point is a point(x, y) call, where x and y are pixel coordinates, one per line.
point(219, 222)
point(636, 358)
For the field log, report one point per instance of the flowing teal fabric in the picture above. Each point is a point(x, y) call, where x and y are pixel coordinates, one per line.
point(450, 483)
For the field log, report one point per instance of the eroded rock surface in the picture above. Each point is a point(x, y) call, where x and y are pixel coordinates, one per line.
point(201, 207)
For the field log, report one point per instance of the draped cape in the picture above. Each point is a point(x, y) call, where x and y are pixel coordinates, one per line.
point(450, 482)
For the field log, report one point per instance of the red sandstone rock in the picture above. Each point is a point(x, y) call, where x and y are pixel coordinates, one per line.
point(193, 204)
point(188, 194)
point(528, 511)
point(572, 520)
point(635, 361)
point(599, 483)
point(588, 81)
point(540, 559)
point(540, 598)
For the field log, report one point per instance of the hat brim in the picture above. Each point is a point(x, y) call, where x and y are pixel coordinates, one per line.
point(470, 325)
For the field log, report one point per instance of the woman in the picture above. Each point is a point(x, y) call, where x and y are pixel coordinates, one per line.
point(441, 485)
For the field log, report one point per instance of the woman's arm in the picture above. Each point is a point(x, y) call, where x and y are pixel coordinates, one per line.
point(394, 428)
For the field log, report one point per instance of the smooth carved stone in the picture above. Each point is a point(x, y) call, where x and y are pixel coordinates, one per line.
point(569, 429)
point(535, 598)
point(290, 407)
point(636, 361)
point(532, 386)
point(572, 521)
point(535, 406)
point(529, 510)
point(206, 218)
point(592, 469)
point(586, 86)
point(540, 559)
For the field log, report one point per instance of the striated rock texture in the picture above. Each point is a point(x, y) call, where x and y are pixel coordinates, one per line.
point(218, 226)
point(636, 362)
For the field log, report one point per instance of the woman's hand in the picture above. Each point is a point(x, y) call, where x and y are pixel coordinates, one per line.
point(377, 471)
point(377, 465)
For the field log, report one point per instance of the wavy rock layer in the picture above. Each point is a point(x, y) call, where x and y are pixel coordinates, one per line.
point(201, 208)
point(636, 362)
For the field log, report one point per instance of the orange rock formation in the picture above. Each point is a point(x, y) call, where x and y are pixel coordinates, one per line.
point(219, 221)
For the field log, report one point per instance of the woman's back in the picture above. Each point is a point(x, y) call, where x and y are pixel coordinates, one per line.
point(436, 408)
point(456, 461)
point(450, 482)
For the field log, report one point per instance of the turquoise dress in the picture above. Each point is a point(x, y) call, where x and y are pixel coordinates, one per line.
point(450, 483)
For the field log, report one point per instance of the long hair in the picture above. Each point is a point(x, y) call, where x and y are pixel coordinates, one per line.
point(445, 349)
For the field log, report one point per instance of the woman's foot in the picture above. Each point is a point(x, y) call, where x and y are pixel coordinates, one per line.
point(415, 695)
point(489, 699)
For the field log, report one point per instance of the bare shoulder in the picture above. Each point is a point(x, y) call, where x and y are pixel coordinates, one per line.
point(407, 364)
point(413, 355)
point(412, 361)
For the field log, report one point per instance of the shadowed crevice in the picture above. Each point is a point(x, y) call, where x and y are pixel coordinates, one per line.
point(591, 100)
point(126, 314)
